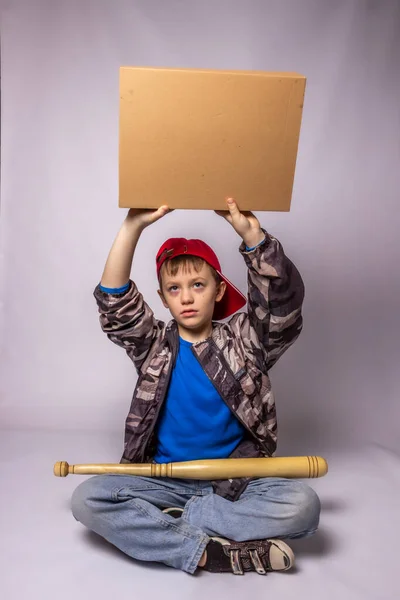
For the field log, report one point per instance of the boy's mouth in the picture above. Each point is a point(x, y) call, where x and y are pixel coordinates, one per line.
point(188, 313)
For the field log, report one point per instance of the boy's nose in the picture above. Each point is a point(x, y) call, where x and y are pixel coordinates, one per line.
point(186, 297)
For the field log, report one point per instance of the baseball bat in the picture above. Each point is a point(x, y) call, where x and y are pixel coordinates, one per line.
point(223, 468)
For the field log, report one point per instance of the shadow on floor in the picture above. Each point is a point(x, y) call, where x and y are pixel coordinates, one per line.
point(321, 543)
point(333, 505)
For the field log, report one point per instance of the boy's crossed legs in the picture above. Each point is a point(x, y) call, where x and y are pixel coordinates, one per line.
point(127, 511)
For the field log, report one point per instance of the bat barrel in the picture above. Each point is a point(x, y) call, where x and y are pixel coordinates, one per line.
point(287, 467)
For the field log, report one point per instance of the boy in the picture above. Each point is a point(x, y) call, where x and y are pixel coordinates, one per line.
point(203, 391)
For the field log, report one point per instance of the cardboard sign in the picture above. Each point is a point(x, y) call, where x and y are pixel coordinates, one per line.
point(189, 138)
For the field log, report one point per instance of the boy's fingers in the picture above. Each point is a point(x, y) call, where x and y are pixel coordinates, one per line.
point(162, 211)
point(232, 206)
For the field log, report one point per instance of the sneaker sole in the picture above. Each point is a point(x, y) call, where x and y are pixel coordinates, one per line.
point(281, 556)
point(173, 512)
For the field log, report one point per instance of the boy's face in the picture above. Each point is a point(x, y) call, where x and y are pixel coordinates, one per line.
point(190, 297)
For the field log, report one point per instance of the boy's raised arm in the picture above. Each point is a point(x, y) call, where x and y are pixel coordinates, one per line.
point(275, 297)
point(124, 315)
point(119, 262)
point(275, 287)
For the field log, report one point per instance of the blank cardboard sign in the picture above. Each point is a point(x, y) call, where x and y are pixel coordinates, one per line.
point(189, 138)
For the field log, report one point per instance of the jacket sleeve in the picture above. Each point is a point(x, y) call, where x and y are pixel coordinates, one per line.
point(128, 321)
point(275, 297)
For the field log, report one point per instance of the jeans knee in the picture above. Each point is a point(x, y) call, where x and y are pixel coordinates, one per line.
point(82, 500)
point(308, 507)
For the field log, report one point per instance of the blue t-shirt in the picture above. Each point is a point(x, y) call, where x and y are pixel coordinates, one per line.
point(194, 421)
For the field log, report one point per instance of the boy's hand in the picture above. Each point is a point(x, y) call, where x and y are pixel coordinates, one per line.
point(245, 224)
point(143, 217)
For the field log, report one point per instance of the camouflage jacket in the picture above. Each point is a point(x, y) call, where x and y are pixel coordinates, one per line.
point(236, 357)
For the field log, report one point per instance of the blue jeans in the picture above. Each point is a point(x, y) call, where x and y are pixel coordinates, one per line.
point(127, 511)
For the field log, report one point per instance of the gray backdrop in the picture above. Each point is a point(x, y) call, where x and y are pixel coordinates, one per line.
point(338, 385)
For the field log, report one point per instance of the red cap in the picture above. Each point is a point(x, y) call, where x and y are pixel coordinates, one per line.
point(232, 300)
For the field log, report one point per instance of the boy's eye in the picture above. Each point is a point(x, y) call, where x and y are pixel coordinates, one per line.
point(198, 284)
point(173, 288)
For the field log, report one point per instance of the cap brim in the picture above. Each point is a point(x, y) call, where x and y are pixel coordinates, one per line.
point(232, 301)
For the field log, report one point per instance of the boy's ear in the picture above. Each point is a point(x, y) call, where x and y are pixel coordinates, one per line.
point(159, 292)
point(221, 291)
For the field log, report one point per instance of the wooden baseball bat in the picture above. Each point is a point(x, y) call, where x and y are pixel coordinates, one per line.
point(223, 468)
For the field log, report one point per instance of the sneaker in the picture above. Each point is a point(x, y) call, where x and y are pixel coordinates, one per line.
point(173, 512)
point(224, 556)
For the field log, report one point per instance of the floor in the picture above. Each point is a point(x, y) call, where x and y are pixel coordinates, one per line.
point(45, 554)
